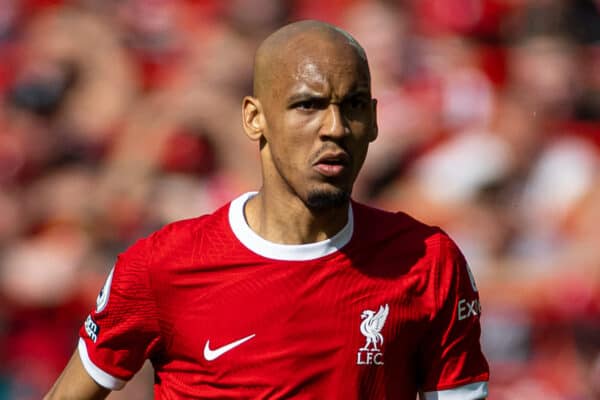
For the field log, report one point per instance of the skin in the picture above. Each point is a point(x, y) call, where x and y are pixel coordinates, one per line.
point(312, 99)
point(313, 116)
point(76, 384)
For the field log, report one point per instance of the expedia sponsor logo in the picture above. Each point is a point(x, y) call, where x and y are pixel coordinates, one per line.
point(91, 328)
point(468, 308)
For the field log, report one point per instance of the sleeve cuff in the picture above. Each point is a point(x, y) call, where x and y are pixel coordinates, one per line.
point(472, 391)
point(102, 378)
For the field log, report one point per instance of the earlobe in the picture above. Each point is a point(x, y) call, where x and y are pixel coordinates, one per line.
point(252, 117)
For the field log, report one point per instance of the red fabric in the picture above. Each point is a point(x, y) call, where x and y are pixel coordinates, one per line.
point(328, 11)
point(188, 153)
point(194, 281)
point(466, 17)
point(493, 64)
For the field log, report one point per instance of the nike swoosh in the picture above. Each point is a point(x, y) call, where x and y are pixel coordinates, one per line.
point(210, 355)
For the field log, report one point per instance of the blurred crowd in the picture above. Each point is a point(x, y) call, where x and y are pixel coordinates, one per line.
point(119, 116)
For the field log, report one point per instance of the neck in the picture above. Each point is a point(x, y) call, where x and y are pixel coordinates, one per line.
point(289, 221)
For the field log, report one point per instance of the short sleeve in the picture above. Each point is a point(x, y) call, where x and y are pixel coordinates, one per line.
point(122, 331)
point(453, 364)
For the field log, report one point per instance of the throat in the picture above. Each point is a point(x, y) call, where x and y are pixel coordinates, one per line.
point(293, 224)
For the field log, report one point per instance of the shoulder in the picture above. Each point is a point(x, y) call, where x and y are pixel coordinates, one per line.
point(177, 239)
point(377, 223)
point(408, 241)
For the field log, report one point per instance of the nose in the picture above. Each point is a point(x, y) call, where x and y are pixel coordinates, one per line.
point(333, 124)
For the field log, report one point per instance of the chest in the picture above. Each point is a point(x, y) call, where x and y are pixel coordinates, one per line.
point(293, 325)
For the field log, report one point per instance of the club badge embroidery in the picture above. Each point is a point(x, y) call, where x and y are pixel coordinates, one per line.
point(371, 326)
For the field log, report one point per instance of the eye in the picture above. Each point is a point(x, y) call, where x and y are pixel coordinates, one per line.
point(306, 105)
point(310, 104)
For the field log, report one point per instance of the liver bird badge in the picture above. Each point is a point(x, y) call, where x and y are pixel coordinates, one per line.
point(371, 327)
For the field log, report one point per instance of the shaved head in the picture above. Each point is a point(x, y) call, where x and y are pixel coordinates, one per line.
point(286, 45)
point(312, 113)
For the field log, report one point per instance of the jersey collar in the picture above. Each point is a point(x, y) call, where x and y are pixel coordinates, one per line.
point(286, 252)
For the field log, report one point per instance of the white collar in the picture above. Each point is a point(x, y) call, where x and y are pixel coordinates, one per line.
point(286, 252)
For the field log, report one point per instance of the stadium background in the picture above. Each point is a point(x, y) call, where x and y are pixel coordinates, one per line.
point(117, 117)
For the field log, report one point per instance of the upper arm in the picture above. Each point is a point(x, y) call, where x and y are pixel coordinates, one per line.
point(123, 331)
point(76, 383)
point(453, 365)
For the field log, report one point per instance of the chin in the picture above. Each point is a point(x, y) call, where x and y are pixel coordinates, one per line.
point(320, 200)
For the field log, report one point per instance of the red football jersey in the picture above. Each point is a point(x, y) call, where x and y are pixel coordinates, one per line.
point(384, 309)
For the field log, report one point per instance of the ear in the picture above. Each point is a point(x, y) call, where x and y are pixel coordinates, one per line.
point(375, 128)
point(253, 118)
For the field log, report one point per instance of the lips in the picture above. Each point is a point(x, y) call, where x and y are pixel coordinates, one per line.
point(332, 164)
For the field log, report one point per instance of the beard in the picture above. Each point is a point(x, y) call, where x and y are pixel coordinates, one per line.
point(321, 200)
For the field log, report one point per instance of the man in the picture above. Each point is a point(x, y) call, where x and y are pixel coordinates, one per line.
point(294, 291)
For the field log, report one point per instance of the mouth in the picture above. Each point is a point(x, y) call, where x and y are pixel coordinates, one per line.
point(332, 164)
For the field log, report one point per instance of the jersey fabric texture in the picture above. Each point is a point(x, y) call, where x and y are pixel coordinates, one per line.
point(384, 309)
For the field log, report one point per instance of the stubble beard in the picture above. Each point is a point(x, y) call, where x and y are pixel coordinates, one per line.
point(321, 200)
point(318, 200)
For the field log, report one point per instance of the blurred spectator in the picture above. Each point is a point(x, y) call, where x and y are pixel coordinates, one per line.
point(117, 117)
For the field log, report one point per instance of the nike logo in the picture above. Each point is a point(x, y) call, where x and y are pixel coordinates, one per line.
point(210, 355)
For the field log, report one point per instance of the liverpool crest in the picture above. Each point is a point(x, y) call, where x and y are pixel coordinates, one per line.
point(371, 327)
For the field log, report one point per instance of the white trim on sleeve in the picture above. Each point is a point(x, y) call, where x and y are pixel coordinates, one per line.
point(472, 391)
point(102, 378)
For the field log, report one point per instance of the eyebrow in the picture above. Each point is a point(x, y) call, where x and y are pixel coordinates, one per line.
point(306, 95)
point(296, 97)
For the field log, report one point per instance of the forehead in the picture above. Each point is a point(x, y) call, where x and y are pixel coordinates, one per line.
point(331, 65)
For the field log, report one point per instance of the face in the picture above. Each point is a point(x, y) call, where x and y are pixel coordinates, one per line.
point(317, 123)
